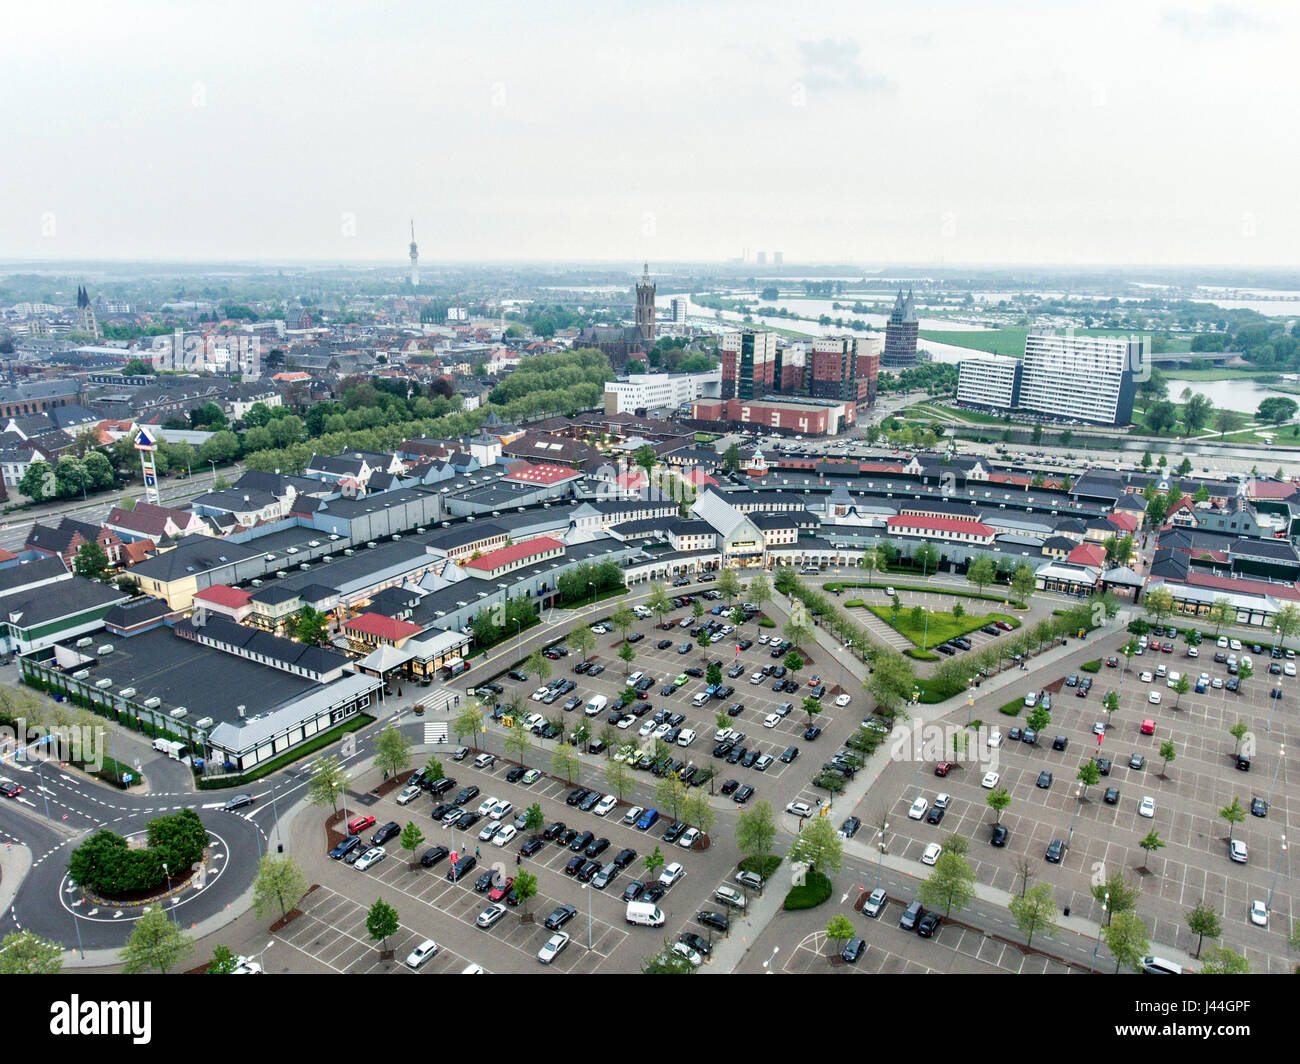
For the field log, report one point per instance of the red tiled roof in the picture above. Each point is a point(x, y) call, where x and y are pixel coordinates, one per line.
point(632, 480)
point(1125, 522)
point(940, 524)
point(697, 478)
point(1250, 587)
point(1272, 489)
point(1087, 554)
point(540, 473)
point(223, 595)
point(382, 627)
point(6, 556)
point(515, 552)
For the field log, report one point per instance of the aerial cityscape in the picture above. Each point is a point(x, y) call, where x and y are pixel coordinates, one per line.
point(546, 553)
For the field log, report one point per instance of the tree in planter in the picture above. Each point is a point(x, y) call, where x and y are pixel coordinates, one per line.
point(737, 616)
point(1023, 582)
point(1038, 718)
point(697, 609)
point(392, 751)
point(583, 642)
point(1088, 774)
point(1234, 814)
point(1181, 688)
point(628, 654)
point(618, 779)
point(519, 740)
point(1220, 613)
point(728, 585)
point(713, 674)
point(756, 831)
point(818, 846)
point(704, 644)
point(839, 931)
point(1034, 911)
point(659, 603)
point(581, 734)
point(654, 863)
point(1167, 752)
point(797, 629)
point(998, 801)
point(699, 813)
point(156, 944)
point(382, 922)
point(1151, 843)
point(279, 885)
point(26, 953)
point(469, 721)
point(760, 591)
point(525, 887)
point(951, 883)
point(623, 619)
point(411, 838)
point(565, 762)
point(1244, 672)
point(539, 665)
point(981, 572)
point(1202, 921)
point(535, 819)
point(670, 795)
point(1126, 938)
point(609, 736)
point(1238, 731)
point(433, 770)
point(223, 962)
point(1025, 870)
point(1116, 894)
point(785, 581)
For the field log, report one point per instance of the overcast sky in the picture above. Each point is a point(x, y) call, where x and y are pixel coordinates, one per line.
point(1106, 131)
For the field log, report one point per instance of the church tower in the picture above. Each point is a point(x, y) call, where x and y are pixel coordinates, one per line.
point(645, 306)
point(86, 313)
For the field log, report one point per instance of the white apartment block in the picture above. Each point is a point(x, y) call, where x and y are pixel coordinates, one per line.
point(657, 391)
point(992, 381)
point(1088, 378)
point(681, 306)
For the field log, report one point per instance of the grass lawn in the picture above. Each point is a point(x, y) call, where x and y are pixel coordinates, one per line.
point(816, 889)
point(613, 592)
point(940, 626)
point(1009, 340)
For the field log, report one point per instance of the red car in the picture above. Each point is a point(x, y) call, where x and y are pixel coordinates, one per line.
point(943, 768)
point(498, 892)
point(358, 824)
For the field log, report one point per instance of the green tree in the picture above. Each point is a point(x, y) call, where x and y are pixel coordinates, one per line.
point(382, 922)
point(26, 953)
point(410, 839)
point(756, 831)
point(760, 591)
point(1181, 687)
point(1088, 774)
point(699, 813)
point(1126, 938)
point(223, 962)
point(818, 846)
point(654, 863)
point(279, 884)
point(1150, 843)
point(156, 944)
point(617, 778)
point(538, 665)
point(1219, 960)
point(468, 721)
point(728, 585)
point(951, 883)
point(670, 793)
point(1034, 911)
point(519, 740)
point(623, 619)
point(998, 801)
point(525, 887)
point(565, 762)
point(811, 707)
point(1167, 752)
point(392, 751)
point(91, 561)
point(838, 931)
point(981, 572)
point(38, 482)
point(1238, 731)
point(1233, 813)
point(328, 781)
point(658, 602)
point(583, 642)
point(311, 627)
point(1202, 921)
point(1276, 409)
point(1116, 894)
point(892, 681)
point(927, 557)
point(627, 653)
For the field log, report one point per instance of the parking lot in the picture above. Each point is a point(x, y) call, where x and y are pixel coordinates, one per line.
point(1203, 778)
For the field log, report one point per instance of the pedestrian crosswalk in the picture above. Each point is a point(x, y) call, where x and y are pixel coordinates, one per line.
point(435, 733)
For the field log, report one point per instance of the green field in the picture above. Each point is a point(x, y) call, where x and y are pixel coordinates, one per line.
point(940, 626)
point(1010, 340)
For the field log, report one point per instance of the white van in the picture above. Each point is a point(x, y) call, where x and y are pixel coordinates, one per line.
point(596, 705)
point(644, 913)
point(1160, 966)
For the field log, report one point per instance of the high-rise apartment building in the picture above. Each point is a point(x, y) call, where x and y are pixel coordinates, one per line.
point(681, 306)
point(748, 363)
point(990, 380)
point(1086, 378)
point(901, 333)
point(845, 367)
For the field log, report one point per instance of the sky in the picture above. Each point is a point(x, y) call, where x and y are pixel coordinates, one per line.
point(1008, 131)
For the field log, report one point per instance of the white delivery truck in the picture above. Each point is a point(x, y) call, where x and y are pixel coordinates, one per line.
point(174, 750)
point(596, 705)
point(645, 913)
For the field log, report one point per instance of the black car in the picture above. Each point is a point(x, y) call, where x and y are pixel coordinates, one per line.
point(1243, 763)
point(723, 748)
point(389, 831)
point(467, 820)
point(743, 795)
point(1111, 797)
point(465, 794)
point(789, 754)
point(576, 795)
point(850, 827)
point(1060, 742)
point(581, 842)
point(624, 858)
point(515, 674)
point(999, 835)
point(559, 917)
point(1258, 807)
point(237, 802)
point(910, 916)
point(674, 832)
point(461, 868)
point(589, 802)
point(853, 949)
point(1014, 735)
point(734, 756)
point(748, 760)
point(717, 921)
point(596, 847)
point(587, 871)
point(935, 815)
point(1136, 761)
point(441, 786)
point(1044, 779)
point(351, 843)
point(554, 831)
point(1104, 765)
point(486, 881)
point(928, 925)
point(1055, 851)
point(530, 847)
point(433, 856)
point(515, 774)
point(634, 890)
point(575, 863)
point(654, 892)
point(811, 732)
point(695, 942)
point(636, 637)
point(494, 688)
point(730, 785)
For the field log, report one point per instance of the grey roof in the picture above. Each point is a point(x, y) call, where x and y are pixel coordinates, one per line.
point(194, 554)
point(26, 573)
point(27, 608)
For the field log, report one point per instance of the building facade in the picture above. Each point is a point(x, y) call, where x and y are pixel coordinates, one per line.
point(1087, 378)
point(901, 333)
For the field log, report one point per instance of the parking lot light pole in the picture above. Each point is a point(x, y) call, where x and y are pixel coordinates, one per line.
point(1277, 863)
point(880, 849)
point(587, 891)
point(1078, 801)
point(767, 964)
point(264, 949)
point(1281, 754)
point(1097, 945)
point(1277, 697)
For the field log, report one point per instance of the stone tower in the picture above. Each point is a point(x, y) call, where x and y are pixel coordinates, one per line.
point(645, 306)
point(415, 258)
point(86, 313)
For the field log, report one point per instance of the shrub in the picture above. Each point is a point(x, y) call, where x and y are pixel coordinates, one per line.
point(764, 866)
point(854, 602)
point(1091, 666)
point(815, 891)
point(765, 622)
point(1012, 708)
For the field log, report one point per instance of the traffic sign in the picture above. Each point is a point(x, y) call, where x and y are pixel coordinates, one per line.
point(144, 441)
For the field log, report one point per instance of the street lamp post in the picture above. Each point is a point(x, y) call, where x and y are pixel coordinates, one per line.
point(880, 849)
point(1281, 754)
point(275, 811)
point(1078, 801)
point(1277, 697)
point(1277, 863)
point(213, 463)
point(1097, 945)
point(264, 949)
point(767, 964)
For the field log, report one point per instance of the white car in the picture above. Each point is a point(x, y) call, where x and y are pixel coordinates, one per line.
point(553, 947)
point(757, 678)
point(990, 780)
point(671, 874)
point(603, 807)
point(771, 720)
point(1192, 652)
point(490, 915)
point(421, 953)
point(942, 800)
point(1237, 851)
point(683, 950)
point(486, 806)
point(1154, 698)
point(688, 838)
point(686, 737)
point(800, 809)
point(647, 729)
point(507, 832)
point(540, 693)
point(918, 809)
point(409, 794)
point(994, 740)
point(763, 638)
point(1234, 644)
point(1099, 728)
point(1217, 683)
point(661, 731)
point(1145, 677)
point(632, 815)
point(843, 700)
point(371, 857)
point(626, 722)
point(1259, 913)
point(1223, 642)
point(501, 809)
point(599, 629)
point(931, 853)
point(1288, 669)
point(1147, 807)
